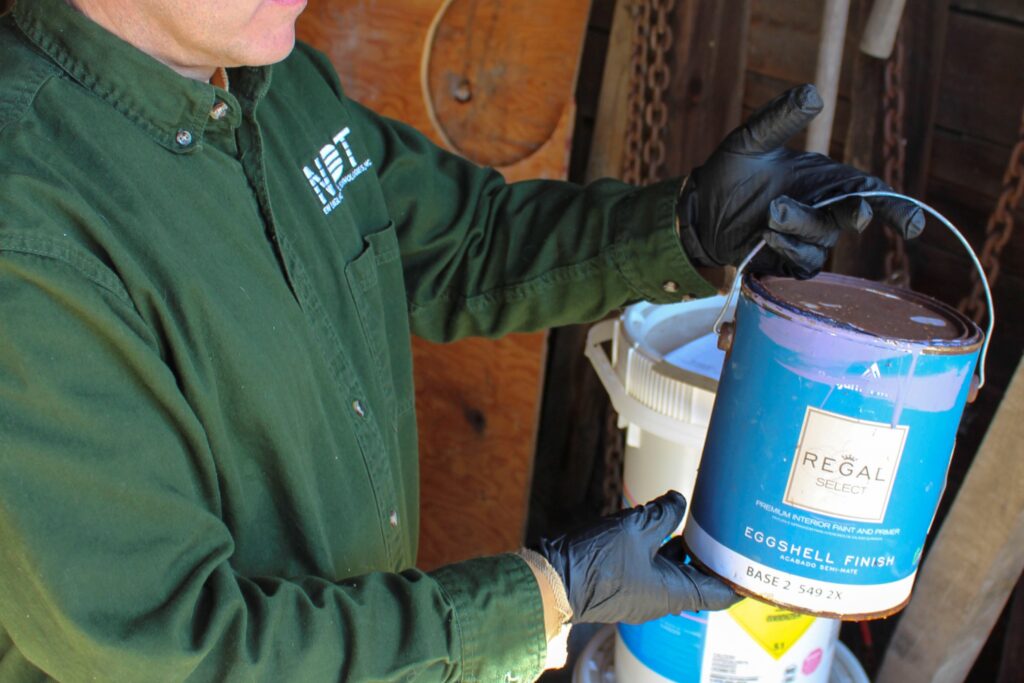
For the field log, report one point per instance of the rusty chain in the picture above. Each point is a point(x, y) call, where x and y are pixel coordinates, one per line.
point(894, 148)
point(999, 228)
point(650, 75)
point(658, 77)
point(614, 447)
point(649, 78)
point(640, 12)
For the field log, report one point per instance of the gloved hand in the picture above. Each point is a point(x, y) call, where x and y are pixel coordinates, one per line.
point(618, 570)
point(752, 187)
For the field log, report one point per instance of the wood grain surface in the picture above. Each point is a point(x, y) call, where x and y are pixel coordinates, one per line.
point(998, 9)
point(477, 402)
point(982, 96)
point(706, 91)
point(416, 60)
point(862, 149)
point(608, 146)
point(493, 103)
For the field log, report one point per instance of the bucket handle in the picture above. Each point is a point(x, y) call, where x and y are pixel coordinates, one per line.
point(735, 287)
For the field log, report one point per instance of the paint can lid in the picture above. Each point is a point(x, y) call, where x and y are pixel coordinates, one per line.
point(869, 307)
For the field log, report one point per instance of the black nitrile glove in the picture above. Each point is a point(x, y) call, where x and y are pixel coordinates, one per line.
point(752, 187)
point(618, 570)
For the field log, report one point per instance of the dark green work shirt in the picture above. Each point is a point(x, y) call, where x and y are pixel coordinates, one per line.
point(208, 462)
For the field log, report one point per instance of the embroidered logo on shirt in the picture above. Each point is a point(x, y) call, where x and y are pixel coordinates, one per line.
point(333, 169)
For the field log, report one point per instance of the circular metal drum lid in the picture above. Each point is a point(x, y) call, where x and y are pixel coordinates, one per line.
point(868, 307)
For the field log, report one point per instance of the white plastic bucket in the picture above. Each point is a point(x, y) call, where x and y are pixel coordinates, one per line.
point(602, 656)
point(661, 377)
point(751, 642)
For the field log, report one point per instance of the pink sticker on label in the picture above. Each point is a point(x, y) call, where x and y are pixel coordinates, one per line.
point(812, 661)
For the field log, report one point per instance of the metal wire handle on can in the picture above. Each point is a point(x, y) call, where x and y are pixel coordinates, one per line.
point(735, 287)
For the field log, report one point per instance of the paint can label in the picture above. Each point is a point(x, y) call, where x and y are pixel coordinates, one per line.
point(844, 467)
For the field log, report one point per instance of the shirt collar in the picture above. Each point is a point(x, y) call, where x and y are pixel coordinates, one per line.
point(173, 109)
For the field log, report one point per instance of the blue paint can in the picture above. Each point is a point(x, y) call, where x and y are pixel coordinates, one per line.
point(829, 442)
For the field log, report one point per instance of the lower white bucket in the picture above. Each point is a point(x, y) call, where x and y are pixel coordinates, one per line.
point(598, 664)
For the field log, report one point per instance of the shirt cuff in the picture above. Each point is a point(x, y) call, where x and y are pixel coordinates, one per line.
point(558, 644)
point(499, 618)
point(651, 258)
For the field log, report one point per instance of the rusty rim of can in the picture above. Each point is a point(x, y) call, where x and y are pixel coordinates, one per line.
point(969, 337)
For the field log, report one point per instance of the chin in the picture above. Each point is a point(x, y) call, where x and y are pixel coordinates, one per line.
point(279, 53)
point(267, 51)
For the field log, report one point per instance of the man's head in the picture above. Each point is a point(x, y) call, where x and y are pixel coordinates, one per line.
point(194, 37)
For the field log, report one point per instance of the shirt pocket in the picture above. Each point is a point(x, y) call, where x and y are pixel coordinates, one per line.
point(378, 288)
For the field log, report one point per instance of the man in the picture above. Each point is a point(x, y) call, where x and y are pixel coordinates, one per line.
point(208, 279)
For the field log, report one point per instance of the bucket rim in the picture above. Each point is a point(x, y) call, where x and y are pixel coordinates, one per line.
point(970, 340)
point(626, 335)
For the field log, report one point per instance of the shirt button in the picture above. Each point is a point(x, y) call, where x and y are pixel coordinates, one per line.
point(670, 286)
point(393, 518)
point(183, 138)
point(358, 407)
point(219, 111)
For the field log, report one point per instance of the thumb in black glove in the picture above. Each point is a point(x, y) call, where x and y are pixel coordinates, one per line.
point(618, 570)
point(753, 187)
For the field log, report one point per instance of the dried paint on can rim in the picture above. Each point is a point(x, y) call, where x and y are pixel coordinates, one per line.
point(871, 309)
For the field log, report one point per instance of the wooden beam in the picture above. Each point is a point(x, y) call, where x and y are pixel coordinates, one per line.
point(1011, 664)
point(925, 23)
point(608, 147)
point(831, 40)
point(1002, 9)
point(983, 76)
point(974, 564)
point(859, 254)
point(575, 405)
point(705, 95)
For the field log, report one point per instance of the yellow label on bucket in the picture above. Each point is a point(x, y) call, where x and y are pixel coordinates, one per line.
point(773, 628)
